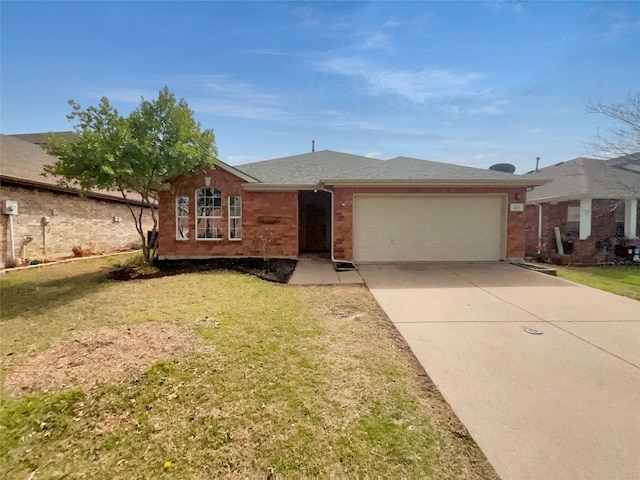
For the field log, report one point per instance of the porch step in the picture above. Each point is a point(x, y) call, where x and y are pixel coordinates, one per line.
point(536, 267)
point(344, 266)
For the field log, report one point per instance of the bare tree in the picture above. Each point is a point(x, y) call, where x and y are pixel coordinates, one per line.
point(623, 136)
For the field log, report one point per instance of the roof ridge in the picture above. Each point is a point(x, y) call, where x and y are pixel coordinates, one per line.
point(303, 154)
point(452, 165)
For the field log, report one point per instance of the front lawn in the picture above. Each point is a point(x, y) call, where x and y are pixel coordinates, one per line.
point(621, 280)
point(220, 374)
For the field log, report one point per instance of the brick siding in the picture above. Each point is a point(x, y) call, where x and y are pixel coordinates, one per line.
point(273, 216)
point(603, 227)
point(269, 220)
point(75, 221)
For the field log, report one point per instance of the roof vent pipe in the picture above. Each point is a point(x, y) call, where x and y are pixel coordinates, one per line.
point(537, 163)
point(313, 146)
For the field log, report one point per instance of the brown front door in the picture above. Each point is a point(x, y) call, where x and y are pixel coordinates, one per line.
point(314, 209)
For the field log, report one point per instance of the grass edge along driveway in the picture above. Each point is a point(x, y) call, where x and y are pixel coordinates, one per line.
point(621, 280)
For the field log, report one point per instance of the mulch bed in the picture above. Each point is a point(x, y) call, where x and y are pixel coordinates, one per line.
point(277, 270)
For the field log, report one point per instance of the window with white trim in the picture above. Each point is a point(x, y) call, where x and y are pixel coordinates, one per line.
point(208, 214)
point(182, 218)
point(235, 217)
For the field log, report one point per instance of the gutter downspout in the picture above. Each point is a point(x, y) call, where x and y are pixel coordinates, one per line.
point(333, 259)
point(539, 225)
point(11, 233)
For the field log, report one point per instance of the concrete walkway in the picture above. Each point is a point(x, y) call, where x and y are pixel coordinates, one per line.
point(561, 405)
point(322, 272)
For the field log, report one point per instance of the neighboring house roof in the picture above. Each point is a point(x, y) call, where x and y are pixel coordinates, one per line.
point(588, 178)
point(335, 168)
point(42, 138)
point(22, 162)
point(629, 162)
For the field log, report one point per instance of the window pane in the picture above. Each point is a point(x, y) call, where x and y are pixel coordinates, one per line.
point(209, 201)
point(182, 217)
point(235, 217)
point(183, 229)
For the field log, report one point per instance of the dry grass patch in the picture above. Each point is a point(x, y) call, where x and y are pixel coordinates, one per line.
point(105, 354)
point(371, 362)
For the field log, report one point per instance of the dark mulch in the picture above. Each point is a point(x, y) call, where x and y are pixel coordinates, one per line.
point(277, 270)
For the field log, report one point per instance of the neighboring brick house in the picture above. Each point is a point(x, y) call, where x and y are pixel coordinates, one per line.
point(594, 204)
point(51, 219)
point(346, 207)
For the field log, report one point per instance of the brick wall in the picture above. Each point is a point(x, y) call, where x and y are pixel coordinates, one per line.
point(75, 221)
point(343, 211)
point(273, 216)
point(531, 229)
point(553, 215)
point(269, 220)
point(603, 227)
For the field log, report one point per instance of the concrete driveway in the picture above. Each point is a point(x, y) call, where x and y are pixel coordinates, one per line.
point(561, 405)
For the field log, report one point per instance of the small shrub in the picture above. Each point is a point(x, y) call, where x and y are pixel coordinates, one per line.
point(134, 267)
point(11, 263)
point(91, 250)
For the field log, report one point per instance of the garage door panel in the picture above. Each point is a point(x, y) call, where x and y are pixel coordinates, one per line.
point(428, 228)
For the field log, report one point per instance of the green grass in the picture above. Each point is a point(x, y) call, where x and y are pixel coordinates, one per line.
point(277, 387)
point(621, 280)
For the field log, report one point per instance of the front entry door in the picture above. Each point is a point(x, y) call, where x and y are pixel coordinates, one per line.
point(314, 221)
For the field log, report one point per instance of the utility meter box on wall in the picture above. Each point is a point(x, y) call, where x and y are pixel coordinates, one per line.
point(10, 207)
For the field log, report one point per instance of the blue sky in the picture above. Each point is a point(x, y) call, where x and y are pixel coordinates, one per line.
point(473, 83)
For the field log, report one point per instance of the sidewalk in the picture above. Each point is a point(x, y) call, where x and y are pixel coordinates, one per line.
point(322, 272)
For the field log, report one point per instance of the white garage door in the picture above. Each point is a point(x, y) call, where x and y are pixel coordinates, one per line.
point(428, 228)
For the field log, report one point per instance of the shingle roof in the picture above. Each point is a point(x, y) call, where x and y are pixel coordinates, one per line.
point(42, 138)
point(588, 177)
point(405, 168)
point(629, 162)
point(333, 168)
point(23, 162)
point(305, 169)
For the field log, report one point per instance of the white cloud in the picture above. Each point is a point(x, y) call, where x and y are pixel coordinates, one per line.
point(363, 126)
point(412, 85)
point(223, 95)
point(493, 108)
point(374, 154)
point(220, 95)
point(280, 53)
point(620, 27)
point(127, 95)
point(509, 6)
point(377, 41)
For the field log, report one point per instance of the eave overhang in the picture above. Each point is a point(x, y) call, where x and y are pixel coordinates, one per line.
point(235, 171)
point(21, 182)
point(435, 182)
point(274, 187)
point(584, 196)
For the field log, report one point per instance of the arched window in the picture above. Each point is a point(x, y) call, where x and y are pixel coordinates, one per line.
point(208, 214)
